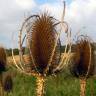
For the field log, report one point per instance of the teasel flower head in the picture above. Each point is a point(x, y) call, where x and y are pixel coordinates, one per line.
point(41, 33)
point(3, 60)
point(83, 60)
point(8, 83)
point(43, 38)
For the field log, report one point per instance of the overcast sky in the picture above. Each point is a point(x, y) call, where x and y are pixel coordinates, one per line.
point(80, 14)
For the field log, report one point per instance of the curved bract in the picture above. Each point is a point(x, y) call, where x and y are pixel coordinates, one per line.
point(83, 59)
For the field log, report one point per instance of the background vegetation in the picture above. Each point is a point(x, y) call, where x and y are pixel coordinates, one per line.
point(61, 85)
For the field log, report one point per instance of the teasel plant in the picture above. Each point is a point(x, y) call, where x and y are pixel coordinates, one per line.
point(42, 41)
point(3, 62)
point(82, 64)
point(7, 84)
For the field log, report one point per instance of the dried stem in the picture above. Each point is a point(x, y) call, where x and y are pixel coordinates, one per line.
point(1, 86)
point(40, 81)
point(82, 86)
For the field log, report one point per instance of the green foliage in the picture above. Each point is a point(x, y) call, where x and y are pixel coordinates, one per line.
point(16, 51)
point(61, 85)
point(23, 85)
point(9, 52)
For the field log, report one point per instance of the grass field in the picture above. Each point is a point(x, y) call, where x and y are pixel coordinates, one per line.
point(61, 85)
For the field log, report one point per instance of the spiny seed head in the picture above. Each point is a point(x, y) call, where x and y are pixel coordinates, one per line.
point(42, 40)
point(3, 59)
point(83, 59)
point(8, 83)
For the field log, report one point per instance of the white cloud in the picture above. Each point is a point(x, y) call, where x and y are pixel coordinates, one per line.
point(11, 16)
point(55, 9)
point(79, 14)
point(26, 4)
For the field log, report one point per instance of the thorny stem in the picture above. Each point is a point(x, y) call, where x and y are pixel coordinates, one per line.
point(1, 86)
point(40, 82)
point(82, 86)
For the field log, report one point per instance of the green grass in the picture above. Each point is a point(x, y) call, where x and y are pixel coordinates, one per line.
point(61, 85)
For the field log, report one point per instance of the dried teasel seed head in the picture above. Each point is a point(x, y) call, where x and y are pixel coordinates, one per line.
point(8, 83)
point(3, 59)
point(83, 59)
point(42, 40)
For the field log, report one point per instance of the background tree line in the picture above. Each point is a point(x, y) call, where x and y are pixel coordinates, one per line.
point(25, 50)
